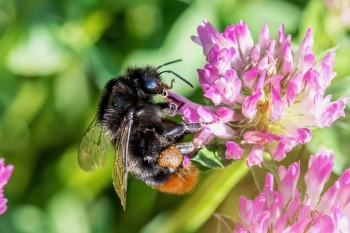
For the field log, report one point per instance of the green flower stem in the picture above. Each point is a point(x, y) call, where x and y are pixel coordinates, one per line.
point(202, 204)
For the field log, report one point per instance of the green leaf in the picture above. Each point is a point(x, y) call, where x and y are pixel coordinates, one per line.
point(212, 157)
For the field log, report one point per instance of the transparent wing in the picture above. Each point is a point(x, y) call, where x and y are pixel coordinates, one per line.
point(120, 168)
point(92, 152)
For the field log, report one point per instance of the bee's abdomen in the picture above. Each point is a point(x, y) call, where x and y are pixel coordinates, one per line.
point(180, 182)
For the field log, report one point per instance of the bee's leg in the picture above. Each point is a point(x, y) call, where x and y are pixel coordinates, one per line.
point(175, 101)
point(170, 108)
point(187, 147)
point(170, 158)
point(182, 128)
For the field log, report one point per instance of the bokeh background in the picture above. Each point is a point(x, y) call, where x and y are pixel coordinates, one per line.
point(56, 56)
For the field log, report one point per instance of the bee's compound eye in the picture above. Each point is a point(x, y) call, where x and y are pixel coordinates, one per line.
point(151, 86)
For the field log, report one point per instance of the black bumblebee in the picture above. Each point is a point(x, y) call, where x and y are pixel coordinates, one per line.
point(147, 144)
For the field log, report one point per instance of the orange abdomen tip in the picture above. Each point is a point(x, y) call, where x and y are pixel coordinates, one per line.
point(181, 182)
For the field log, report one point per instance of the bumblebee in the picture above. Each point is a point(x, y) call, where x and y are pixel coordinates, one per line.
point(146, 143)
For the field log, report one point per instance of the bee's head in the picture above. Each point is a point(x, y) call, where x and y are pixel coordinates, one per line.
point(148, 81)
point(151, 83)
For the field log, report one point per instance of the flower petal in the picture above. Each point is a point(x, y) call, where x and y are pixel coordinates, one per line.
point(256, 137)
point(255, 156)
point(249, 105)
point(320, 167)
point(234, 151)
point(277, 106)
point(288, 183)
point(264, 37)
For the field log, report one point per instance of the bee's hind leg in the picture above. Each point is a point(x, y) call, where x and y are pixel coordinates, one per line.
point(187, 147)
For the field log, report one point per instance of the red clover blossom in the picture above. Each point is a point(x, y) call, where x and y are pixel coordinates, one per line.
point(266, 97)
point(5, 173)
point(283, 210)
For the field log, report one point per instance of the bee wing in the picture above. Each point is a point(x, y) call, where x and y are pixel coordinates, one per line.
point(92, 152)
point(120, 168)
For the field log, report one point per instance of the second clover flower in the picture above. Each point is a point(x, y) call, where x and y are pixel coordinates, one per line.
point(287, 209)
point(266, 97)
point(5, 174)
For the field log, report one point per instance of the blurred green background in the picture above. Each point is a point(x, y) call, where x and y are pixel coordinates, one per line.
point(56, 56)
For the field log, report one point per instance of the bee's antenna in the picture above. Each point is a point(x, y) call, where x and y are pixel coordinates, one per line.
point(168, 63)
point(169, 71)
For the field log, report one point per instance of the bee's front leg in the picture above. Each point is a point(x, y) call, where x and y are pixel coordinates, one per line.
point(169, 108)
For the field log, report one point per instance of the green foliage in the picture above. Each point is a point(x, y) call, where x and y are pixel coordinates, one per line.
point(225, 223)
point(55, 57)
point(212, 156)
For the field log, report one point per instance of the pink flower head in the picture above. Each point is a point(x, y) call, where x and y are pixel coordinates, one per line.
point(274, 92)
point(283, 210)
point(5, 173)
